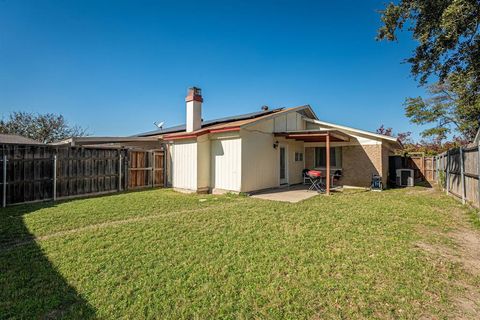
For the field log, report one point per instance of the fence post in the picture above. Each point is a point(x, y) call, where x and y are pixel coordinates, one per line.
point(478, 172)
point(462, 174)
point(127, 169)
point(165, 178)
point(447, 170)
point(4, 193)
point(153, 168)
point(54, 177)
point(119, 170)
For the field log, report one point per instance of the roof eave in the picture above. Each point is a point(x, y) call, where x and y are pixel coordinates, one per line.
point(194, 135)
point(367, 133)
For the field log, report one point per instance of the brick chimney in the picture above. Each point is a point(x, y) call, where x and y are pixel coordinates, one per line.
point(194, 109)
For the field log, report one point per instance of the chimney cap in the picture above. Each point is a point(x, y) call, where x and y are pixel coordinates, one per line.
point(195, 90)
point(194, 94)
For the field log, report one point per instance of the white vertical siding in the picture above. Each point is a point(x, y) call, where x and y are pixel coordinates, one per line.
point(260, 161)
point(289, 122)
point(184, 158)
point(203, 164)
point(292, 121)
point(300, 121)
point(226, 164)
point(280, 123)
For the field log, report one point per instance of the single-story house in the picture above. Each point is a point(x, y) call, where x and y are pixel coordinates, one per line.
point(268, 149)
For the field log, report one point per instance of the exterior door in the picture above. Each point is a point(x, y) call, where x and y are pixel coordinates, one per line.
point(283, 165)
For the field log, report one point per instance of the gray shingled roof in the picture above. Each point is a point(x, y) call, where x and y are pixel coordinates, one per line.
point(182, 127)
point(16, 139)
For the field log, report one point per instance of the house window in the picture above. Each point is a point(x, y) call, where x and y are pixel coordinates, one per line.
point(298, 156)
point(335, 157)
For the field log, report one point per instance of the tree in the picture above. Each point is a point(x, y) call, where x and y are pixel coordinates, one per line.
point(429, 147)
point(450, 106)
point(448, 36)
point(45, 128)
point(403, 137)
point(447, 32)
point(385, 131)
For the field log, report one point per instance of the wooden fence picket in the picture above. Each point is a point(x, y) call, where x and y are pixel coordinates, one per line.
point(31, 173)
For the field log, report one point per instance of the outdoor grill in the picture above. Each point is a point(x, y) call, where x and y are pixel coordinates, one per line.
point(315, 177)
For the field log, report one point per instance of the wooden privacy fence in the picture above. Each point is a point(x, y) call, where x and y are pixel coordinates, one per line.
point(32, 173)
point(423, 167)
point(458, 172)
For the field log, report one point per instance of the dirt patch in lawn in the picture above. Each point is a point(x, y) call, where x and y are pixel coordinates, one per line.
point(465, 251)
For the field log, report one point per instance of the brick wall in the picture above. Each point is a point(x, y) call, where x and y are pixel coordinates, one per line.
point(386, 152)
point(359, 163)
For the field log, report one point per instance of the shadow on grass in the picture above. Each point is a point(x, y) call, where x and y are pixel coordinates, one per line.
point(31, 287)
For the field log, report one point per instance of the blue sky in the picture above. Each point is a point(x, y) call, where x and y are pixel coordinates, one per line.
point(117, 66)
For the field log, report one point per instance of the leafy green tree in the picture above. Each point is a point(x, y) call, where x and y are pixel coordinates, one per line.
point(45, 128)
point(450, 107)
point(448, 50)
point(447, 32)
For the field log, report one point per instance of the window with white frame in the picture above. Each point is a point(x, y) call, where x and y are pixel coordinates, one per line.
point(335, 157)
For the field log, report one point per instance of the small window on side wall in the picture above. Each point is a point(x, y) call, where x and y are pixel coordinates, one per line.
point(298, 156)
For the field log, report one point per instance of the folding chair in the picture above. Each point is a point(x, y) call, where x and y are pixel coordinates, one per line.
point(306, 178)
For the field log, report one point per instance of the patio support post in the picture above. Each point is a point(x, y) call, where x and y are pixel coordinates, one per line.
point(327, 178)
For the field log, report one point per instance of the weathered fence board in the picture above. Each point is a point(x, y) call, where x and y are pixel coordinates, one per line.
point(458, 173)
point(38, 173)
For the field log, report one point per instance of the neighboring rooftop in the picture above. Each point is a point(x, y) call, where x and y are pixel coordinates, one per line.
point(16, 139)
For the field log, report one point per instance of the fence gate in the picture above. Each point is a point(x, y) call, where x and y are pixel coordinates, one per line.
point(146, 169)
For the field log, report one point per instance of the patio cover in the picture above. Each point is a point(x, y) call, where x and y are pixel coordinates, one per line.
point(314, 135)
point(326, 136)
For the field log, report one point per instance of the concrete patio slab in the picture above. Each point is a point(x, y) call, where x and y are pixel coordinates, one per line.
point(290, 194)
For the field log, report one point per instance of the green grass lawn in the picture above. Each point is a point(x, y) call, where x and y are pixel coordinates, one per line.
point(161, 254)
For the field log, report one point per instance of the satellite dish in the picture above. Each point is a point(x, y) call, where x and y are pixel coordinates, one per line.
point(160, 124)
